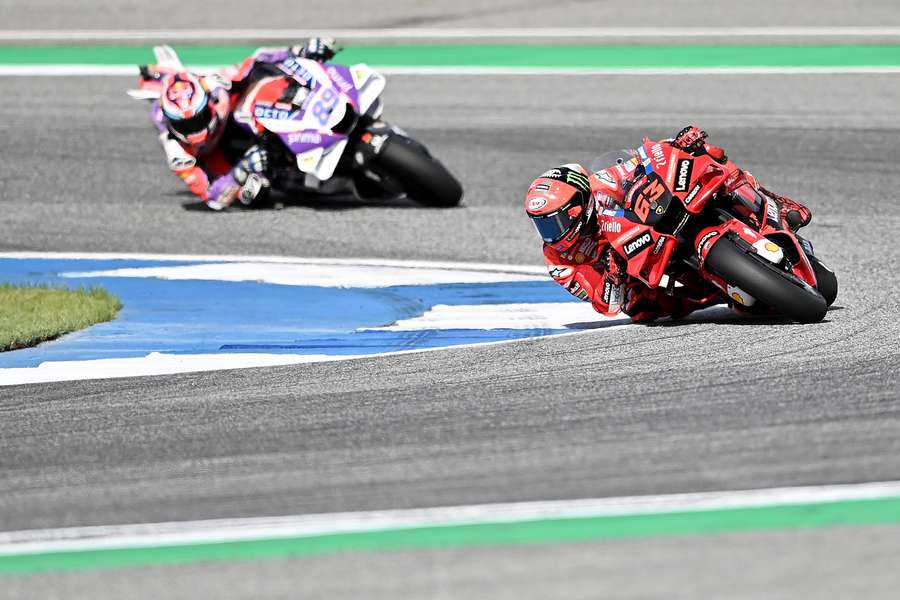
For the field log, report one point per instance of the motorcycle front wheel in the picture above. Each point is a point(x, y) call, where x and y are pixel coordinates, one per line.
point(767, 283)
point(424, 179)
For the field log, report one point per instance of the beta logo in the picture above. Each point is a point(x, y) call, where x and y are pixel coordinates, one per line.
point(292, 67)
point(683, 179)
point(264, 111)
point(634, 247)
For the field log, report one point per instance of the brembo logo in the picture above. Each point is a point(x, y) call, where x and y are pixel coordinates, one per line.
point(635, 246)
point(685, 166)
point(704, 241)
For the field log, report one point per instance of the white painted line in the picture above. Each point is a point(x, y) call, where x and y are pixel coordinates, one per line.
point(145, 535)
point(581, 33)
point(280, 270)
point(67, 70)
point(366, 262)
point(155, 363)
point(125, 70)
point(549, 315)
point(320, 275)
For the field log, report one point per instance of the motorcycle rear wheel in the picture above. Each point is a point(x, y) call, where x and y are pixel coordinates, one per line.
point(766, 282)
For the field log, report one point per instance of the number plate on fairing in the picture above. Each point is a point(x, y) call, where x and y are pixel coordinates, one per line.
point(650, 199)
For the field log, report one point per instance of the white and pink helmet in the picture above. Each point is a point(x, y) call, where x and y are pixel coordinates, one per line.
point(194, 113)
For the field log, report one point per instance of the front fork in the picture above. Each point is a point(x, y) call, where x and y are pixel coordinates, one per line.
point(370, 140)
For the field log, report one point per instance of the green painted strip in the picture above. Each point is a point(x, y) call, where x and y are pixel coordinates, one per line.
point(503, 55)
point(813, 515)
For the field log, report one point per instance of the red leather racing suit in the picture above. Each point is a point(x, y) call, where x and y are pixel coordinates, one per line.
point(589, 268)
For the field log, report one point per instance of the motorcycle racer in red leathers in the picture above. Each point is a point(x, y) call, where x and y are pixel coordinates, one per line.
point(215, 156)
point(565, 203)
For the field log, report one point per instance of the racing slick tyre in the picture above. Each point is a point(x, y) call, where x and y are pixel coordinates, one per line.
point(826, 281)
point(766, 282)
point(424, 179)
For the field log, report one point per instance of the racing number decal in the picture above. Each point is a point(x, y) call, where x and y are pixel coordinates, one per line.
point(651, 193)
point(323, 107)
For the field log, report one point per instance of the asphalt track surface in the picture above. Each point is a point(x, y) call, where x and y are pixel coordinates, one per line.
point(709, 404)
point(177, 15)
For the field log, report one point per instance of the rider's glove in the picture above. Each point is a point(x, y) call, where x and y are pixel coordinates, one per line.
point(222, 192)
point(250, 174)
point(256, 160)
point(255, 187)
point(316, 48)
point(693, 140)
point(148, 74)
point(690, 139)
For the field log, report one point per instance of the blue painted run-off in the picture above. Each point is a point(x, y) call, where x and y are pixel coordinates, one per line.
point(204, 317)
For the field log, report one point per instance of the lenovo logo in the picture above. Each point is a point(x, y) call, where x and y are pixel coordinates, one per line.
point(685, 166)
point(635, 246)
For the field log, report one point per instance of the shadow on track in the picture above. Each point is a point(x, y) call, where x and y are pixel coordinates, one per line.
point(716, 315)
point(720, 315)
point(323, 203)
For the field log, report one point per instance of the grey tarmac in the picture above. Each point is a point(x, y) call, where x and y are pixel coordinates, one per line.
point(174, 15)
point(711, 403)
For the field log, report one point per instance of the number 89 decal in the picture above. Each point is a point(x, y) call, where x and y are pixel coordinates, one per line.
point(324, 105)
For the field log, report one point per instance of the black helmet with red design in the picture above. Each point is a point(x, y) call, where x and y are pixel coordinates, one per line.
point(560, 205)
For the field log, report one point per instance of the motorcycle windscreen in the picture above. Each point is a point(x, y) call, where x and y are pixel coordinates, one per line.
point(611, 159)
point(554, 226)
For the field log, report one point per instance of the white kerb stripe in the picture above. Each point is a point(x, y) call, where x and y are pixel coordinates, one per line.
point(126, 70)
point(259, 528)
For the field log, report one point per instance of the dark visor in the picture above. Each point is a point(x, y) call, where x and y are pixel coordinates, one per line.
point(199, 122)
point(554, 226)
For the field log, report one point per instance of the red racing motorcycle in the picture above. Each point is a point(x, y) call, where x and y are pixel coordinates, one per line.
point(682, 228)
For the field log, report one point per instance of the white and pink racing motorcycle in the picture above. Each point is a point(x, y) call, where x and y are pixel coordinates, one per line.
point(321, 126)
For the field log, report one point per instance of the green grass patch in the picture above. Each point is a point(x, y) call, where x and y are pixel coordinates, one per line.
point(30, 315)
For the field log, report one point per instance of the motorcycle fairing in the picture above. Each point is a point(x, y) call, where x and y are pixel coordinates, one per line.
point(308, 133)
